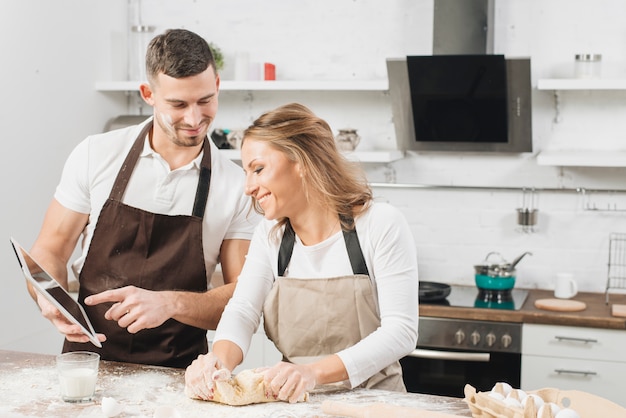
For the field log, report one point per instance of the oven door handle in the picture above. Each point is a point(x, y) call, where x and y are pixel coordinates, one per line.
point(449, 355)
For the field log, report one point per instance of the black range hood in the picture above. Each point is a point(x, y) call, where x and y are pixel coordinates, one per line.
point(461, 103)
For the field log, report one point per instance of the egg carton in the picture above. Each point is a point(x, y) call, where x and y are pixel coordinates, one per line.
point(497, 403)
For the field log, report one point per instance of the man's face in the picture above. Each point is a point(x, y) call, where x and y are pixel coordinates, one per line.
point(184, 108)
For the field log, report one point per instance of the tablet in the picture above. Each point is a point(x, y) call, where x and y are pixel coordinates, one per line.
point(54, 292)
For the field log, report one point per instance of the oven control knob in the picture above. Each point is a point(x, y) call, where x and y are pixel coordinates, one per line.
point(475, 338)
point(491, 339)
point(459, 336)
point(506, 340)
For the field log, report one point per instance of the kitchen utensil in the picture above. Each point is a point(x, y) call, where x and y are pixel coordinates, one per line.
point(379, 410)
point(560, 305)
point(527, 213)
point(517, 260)
point(616, 277)
point(565, 286)
point(433, 292)
point(494, 282)
point(347, 139)
point(78, 372)
point(498, 275)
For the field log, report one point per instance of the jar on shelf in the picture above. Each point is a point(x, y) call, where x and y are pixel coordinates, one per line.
point(347, 139)
point(588, 65)
point(141, 35)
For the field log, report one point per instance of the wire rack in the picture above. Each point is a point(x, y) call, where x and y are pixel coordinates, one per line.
point(616, 278)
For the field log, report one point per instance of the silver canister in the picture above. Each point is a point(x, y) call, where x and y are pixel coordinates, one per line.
point(140, 35)
point(588, 65)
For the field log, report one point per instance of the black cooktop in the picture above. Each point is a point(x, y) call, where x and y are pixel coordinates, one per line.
point(472, 297)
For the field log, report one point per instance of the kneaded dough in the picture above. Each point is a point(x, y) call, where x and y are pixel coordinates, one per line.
point(244, 388)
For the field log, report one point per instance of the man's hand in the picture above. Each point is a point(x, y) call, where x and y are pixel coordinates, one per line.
point(71, 331)
point(201, 374)
point(135, 308)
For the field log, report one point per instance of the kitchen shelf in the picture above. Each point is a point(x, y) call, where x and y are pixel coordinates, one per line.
point(583, 158)
point(360, 156)
point(287, 85)
point(228, 85)
point(581, 84)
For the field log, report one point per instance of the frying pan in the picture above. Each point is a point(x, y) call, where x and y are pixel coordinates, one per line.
point(433, 291)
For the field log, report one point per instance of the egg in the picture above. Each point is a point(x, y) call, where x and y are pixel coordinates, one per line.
point(554, 409)
point(512, 402)
point(567, 413)
point(502, 387)
point(536, 398)
point(496, 395)
point(517, 394)
point(111, 407)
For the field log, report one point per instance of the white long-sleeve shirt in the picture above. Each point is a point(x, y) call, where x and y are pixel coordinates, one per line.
point(391, 258)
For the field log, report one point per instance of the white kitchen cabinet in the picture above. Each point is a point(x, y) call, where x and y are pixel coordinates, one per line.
point(574, 358)
point(384, 157)
point(262, 351)
point(581, 158)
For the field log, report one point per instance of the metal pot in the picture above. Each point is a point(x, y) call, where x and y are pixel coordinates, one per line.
point(498, 275)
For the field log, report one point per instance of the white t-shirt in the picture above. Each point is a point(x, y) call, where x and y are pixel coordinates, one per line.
point(391, 258)
point(91, 169)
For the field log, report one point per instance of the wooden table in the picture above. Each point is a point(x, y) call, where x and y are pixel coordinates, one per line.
point(29, 388)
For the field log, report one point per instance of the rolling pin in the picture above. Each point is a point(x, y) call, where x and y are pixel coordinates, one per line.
point(379, 410)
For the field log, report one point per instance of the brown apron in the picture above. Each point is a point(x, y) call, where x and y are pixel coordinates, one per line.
point(152, 251)
point(308, 319)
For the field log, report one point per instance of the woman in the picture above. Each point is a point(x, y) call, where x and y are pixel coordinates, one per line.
point(333, 272)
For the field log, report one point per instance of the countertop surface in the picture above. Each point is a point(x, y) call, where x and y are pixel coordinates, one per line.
point(29, 388)
point(596, 315)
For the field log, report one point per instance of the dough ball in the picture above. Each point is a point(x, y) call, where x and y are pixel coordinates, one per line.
point(244, 388)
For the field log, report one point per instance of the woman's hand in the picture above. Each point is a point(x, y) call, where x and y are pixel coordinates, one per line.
point(289, 382)
point(201, 374)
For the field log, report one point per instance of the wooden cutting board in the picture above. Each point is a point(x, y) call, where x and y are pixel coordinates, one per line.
point(379, 410)
point(560, 305)
point(618, 310)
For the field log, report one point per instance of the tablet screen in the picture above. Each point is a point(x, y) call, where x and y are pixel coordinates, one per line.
point(53, 291)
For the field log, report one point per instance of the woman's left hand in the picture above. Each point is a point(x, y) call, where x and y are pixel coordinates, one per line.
point(289, 382)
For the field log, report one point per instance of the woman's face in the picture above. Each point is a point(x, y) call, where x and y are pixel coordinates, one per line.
point(272, 180)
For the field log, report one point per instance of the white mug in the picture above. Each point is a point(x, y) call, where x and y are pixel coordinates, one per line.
point(565, 286)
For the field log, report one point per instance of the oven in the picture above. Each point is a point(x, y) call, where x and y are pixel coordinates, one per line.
point(453, 352)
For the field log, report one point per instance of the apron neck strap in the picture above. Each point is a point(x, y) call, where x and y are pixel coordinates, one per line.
point(204, 182)
point(351, 239)
point(123, 176)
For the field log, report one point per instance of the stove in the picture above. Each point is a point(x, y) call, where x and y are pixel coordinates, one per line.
point(452, 352)
point(472, 297)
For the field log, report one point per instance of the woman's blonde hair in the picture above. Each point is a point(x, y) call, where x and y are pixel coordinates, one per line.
point(308, 140)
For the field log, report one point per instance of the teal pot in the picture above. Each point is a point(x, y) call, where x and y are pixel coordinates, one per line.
point(495, 273)
point(495, 282)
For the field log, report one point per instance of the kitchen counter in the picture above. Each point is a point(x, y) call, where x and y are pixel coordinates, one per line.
point(596, 315)
point(29, 388)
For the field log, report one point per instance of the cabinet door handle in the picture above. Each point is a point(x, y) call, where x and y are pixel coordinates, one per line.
point(449, 355)
point(582, 340)
point(584, 373)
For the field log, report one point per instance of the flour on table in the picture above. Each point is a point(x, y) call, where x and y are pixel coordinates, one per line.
point(244, 388)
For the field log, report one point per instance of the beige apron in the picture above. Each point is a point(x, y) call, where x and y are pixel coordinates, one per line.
point(308, 319)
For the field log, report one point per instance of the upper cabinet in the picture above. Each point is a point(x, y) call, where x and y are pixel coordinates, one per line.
point(583, 157)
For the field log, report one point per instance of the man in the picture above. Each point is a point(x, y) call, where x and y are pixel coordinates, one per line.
point(157, 207)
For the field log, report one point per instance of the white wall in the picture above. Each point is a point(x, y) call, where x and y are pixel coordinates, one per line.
point(53, 57)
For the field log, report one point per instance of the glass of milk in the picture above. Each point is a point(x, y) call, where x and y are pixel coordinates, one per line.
point(78, 372)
